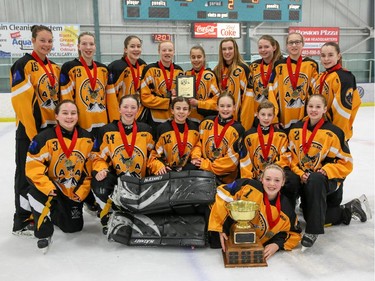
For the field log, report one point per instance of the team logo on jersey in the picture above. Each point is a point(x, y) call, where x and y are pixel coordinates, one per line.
point(213, 152)
point(47, 94)
point(295, 98)
point(260, 162)
point(349, 96)
point(260, 225)
point(68, 171)
point(311, 160)
point(93, 99)
point(128, 165)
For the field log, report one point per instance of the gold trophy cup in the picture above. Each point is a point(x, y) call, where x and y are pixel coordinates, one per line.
point(243, 249)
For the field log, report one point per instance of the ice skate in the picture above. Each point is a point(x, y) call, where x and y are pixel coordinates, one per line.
point(365, 206)
point(356, 209)
point(92, 209)
point(26, 232)
point(44, 244)
point(308, 241)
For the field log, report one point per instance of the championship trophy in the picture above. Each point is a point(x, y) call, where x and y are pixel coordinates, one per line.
point(243, 249)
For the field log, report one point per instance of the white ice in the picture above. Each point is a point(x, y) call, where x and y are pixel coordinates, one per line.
point(342, 253)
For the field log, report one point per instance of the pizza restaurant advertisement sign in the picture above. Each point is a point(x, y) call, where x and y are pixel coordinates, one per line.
point(15, 40)
point(216, 30)
point(315, 37)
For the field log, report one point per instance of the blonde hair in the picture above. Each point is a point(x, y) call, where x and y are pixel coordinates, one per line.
point(276, 167)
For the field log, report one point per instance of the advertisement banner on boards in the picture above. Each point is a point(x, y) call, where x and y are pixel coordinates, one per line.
point(315, 37)
point(15, 39)
point(216, 30)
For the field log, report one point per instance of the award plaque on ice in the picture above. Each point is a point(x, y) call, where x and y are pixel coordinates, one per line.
point(185, 86)
point(243, 249)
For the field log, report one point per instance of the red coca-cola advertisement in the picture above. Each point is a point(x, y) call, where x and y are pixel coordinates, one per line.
point(216, 30)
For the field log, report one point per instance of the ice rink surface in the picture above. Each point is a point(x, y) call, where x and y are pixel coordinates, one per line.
point(342, 253)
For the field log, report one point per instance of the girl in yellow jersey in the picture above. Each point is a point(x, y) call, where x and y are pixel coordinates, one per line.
point(276, 225)
point(159, 84)
point(125, 77)
point(175, 140)
point(34, 83)
point(207, 90)
point(220, 148)
point(291, 82)
point(232, 72)
point(322, 159)
point(84, 80)
point(339, 87)
point(122, 147)
point(260, 75)
point(58, 167)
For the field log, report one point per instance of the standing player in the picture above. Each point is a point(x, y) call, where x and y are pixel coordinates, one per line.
point(84, 80)
point(339, 87)
point(125, 77)
point(34, 87)
point(207, 90)
point(58, 167)
point(232, 72)
point(260, 74)
point(291, 82)
point(159, 83)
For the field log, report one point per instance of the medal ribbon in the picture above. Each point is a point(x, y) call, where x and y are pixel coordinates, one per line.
point(50, 73)
point(224, 79)
point(168, 81)
point(67, 151)
point(181, 145)
point(266, 78)
point(198, 81)
point(270, 220)
point(219, 138)
point(91, 78)
point(265, 149)
point(306, 146)
point(294, 76)
point(129, 148)
point(135, 77)
point(324, 76)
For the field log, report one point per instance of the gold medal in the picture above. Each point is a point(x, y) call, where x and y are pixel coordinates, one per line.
point(52, 91)
point(295, 93)
point(305, 159)
point(270, 234)
point(265, 92)
point(216, 152)
point(128, 162)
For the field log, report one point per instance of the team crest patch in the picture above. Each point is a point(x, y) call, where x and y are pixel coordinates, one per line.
point(295, 98)
point(68, 170)
point(47, 94)
point(311, 160)
point(94, 100)
point(129, 165)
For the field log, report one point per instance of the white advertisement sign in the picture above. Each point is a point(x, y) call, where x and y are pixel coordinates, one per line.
point(15, 39)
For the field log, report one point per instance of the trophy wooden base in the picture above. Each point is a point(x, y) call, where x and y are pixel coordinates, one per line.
point(244, 255)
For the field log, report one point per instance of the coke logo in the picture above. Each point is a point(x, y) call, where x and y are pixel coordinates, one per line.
point(205, 29)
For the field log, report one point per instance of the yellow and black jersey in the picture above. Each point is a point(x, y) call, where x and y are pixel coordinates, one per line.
point(48, 168)
point(278, 152)
point(166, 152)
point(329, 151)
point(223, 160)
point(207, 95)
point(109, 150)
point(289, 102)
point(285, 233)
point(121, 83)
point(236, 85)
point(75, 86)
point(343, 100)
point(154, 93)
point(33, 97)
